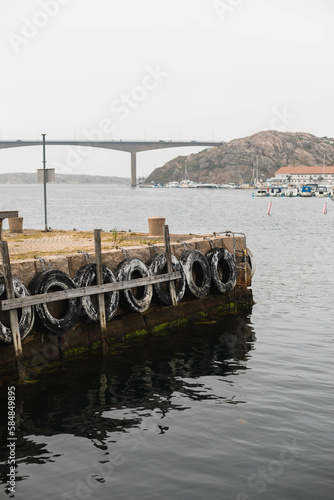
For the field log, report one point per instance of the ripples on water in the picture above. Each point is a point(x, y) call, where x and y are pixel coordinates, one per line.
point(209, 411)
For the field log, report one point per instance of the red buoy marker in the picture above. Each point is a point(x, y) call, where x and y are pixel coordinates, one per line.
point(325, 208)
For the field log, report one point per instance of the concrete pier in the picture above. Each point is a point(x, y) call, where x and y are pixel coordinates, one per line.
point(40, 349)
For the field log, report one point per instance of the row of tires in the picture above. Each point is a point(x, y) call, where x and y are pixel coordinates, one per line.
point(200, 274)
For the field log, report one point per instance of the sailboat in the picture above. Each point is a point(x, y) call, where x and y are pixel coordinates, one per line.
point(186, 182)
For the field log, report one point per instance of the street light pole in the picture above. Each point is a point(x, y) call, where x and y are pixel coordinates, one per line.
point(44, 182)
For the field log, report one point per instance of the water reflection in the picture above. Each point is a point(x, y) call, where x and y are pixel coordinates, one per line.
point(102, 400)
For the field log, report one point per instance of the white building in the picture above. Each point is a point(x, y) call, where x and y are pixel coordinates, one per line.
point(323, 175)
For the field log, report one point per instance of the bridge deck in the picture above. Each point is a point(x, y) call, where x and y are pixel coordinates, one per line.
point(132, 147)
point(129, 146)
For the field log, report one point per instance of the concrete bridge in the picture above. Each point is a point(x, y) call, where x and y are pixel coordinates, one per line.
point(132, 147)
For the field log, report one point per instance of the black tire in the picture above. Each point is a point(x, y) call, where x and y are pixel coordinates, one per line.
point(86, 276)
point(158, 265)
point(251, 261)
point(26, 314)
point(197, 272)
point(46, 319)
point(223, 270)
point(138, 299)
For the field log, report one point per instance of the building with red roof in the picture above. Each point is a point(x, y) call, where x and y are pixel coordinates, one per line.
point(302, 174)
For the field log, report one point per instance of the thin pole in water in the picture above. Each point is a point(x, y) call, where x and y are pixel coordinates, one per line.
point(269, 207)
point(325, 208)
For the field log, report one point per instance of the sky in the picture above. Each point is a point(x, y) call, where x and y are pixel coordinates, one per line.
point(159, 70)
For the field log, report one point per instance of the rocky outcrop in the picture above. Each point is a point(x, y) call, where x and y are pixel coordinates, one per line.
point(234, 161)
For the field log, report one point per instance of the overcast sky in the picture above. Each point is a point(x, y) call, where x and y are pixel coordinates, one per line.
point(160, 70)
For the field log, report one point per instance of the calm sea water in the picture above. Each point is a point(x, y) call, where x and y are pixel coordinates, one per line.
point(233, 408)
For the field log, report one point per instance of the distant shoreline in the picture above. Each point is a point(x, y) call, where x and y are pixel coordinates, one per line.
point(31, 178)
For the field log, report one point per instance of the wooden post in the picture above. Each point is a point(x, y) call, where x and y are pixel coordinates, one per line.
point(99, 280)
point(14, 322)
point(4, 215)
point(172, 290)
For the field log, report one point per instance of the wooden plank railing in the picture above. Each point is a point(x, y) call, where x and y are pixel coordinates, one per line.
point(31, 300)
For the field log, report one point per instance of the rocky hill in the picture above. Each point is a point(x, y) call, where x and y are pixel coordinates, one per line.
point(234, 161)
point(31, 178)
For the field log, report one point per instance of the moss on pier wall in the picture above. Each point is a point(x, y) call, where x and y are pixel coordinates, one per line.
point(45, 351)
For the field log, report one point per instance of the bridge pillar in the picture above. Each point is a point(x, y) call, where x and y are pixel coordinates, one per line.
point(133, 169)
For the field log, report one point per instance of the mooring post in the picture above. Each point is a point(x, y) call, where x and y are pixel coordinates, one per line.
point(99, 281)
point(172, 290)
point(14, 322)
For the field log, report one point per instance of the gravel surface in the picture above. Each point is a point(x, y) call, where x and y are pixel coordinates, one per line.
point(32, 242)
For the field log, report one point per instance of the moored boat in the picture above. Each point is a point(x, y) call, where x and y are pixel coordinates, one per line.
point(321, 191)
point(275, 191)
point(207, 185)
point(186, 183)
point(291, 191)
point(173, 184)
point(261, 192)
point(306, 192)
point(143, 185)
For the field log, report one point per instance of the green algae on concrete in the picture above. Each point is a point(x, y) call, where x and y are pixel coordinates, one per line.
point(136, 333)
point(207, 316)
point(75, 351)
point(164, 328)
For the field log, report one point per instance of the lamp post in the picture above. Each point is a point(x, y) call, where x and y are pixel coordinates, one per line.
point(45, 175)
point(44, 182)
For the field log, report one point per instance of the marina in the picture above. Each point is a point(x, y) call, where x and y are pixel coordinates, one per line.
point(291, 191)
